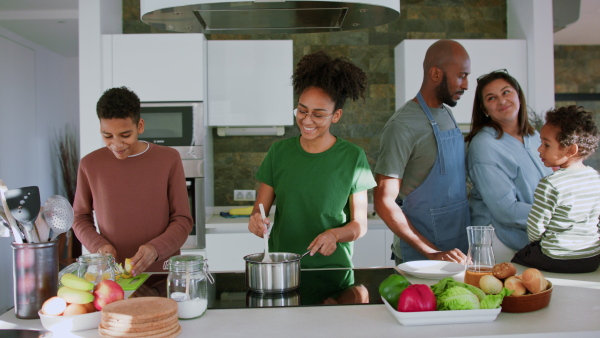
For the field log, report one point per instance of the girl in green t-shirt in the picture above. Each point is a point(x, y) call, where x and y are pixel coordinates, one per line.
point(320, 180)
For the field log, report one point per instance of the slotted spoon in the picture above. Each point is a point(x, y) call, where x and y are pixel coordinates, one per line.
point(267, 257)
point(58, 214)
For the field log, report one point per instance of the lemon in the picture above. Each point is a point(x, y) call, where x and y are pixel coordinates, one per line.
point(89, 277)
point(128, 265)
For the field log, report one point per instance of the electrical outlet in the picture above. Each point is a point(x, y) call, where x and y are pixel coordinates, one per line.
point(238, 195)
point(250, 195)
point(244, 195)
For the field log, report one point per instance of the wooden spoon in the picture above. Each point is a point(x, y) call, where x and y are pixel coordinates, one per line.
point(267, 257)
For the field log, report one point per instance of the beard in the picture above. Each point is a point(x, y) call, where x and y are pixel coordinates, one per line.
point(443, 93)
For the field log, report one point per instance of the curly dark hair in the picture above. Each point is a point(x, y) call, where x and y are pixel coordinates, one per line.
point(119, 103)
point(576, 127)
point(339, 77)
point(479, 119)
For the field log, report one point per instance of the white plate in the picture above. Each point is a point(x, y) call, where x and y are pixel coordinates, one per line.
point(431, 269)
point(443, 317)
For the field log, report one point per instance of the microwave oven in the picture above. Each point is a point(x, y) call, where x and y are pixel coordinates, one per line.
point(173, 124)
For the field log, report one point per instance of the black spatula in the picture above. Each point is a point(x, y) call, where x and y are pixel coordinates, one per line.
point(24, 205)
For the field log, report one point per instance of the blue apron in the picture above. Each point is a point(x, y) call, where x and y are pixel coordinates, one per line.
point(439, 208)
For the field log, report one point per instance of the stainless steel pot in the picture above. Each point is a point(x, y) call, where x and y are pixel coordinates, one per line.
point(280, 276)
point(255, 299)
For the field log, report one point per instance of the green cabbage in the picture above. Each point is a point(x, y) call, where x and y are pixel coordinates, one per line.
point(457, 298)
point(477, 291)
point(448, 282)
point(494, 301)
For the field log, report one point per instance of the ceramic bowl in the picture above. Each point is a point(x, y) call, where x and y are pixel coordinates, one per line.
point(87, 321)
point(527, 303)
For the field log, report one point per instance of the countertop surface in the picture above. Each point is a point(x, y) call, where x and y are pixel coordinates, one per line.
point(574, 311)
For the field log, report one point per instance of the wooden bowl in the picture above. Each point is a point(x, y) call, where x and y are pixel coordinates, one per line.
point(527, 303)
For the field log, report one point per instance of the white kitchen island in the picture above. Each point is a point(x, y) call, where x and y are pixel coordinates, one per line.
point(574, 311)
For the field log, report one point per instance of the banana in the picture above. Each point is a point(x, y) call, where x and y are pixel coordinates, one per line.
point(76, 283)
point(75, 296)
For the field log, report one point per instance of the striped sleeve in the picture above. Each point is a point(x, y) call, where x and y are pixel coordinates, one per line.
point(544, 204)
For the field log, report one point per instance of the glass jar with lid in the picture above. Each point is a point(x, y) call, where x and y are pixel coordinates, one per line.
point(187, 284)
point(94, 267)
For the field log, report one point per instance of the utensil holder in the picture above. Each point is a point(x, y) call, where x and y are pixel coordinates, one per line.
point(35, 276)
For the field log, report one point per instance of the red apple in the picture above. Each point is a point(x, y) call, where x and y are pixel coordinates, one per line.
point(106, 292)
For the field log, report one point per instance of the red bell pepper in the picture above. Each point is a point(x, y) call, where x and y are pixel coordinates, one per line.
point(417, 297)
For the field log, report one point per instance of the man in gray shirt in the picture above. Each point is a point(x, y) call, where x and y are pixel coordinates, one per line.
point(422, 162)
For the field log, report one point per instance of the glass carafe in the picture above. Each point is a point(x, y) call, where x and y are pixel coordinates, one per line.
point(92, 267)
point(480, 258)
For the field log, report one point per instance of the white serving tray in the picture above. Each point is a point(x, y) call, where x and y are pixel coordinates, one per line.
point(443, 317)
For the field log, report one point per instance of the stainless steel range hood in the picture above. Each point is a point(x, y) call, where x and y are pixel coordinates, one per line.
point(251, 17)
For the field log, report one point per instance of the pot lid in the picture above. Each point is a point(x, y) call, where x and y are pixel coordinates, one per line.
point(267, 16)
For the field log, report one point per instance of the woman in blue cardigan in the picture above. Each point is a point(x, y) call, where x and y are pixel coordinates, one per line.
point(503, 163)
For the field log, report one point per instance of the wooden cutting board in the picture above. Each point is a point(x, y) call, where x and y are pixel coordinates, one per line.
point(131, 284)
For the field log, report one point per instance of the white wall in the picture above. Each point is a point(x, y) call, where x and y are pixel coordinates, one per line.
point(38, 96)
point(96, 17)
point(486, 56)
point(533, 20)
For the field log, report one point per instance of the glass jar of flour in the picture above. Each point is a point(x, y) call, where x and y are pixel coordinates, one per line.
point(187, 284)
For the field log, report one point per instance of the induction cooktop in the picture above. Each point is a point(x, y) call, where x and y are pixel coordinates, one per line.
point(318, 287)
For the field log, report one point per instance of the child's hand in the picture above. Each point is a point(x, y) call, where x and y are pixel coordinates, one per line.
point(145, 256)
point(108, 248)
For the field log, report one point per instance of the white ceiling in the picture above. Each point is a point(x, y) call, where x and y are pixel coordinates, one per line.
point(54, 24)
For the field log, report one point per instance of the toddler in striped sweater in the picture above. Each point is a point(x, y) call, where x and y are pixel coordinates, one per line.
point(563, 225)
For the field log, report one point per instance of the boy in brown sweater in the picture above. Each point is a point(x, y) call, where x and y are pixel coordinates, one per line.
point(136, 190)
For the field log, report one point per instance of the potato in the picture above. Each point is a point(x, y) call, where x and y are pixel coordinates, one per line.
point(75, 309)
point(504, 270)
point(490, 285)
point(90, 307)
point(515, 284)
point(54, 306)
point(534, 281)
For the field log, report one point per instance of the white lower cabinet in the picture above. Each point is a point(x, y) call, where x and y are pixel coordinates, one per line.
point(373, 249)
point(200, 252)
point(226, 251)
point(389, 240)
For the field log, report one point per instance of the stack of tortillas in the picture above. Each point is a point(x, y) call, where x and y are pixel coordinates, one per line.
point(140, 317)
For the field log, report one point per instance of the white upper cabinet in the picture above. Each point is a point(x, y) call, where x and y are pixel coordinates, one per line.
point(250, 83)
point(158, 67)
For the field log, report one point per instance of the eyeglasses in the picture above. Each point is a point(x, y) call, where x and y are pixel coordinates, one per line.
point(317, 118)
point(496, 71)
